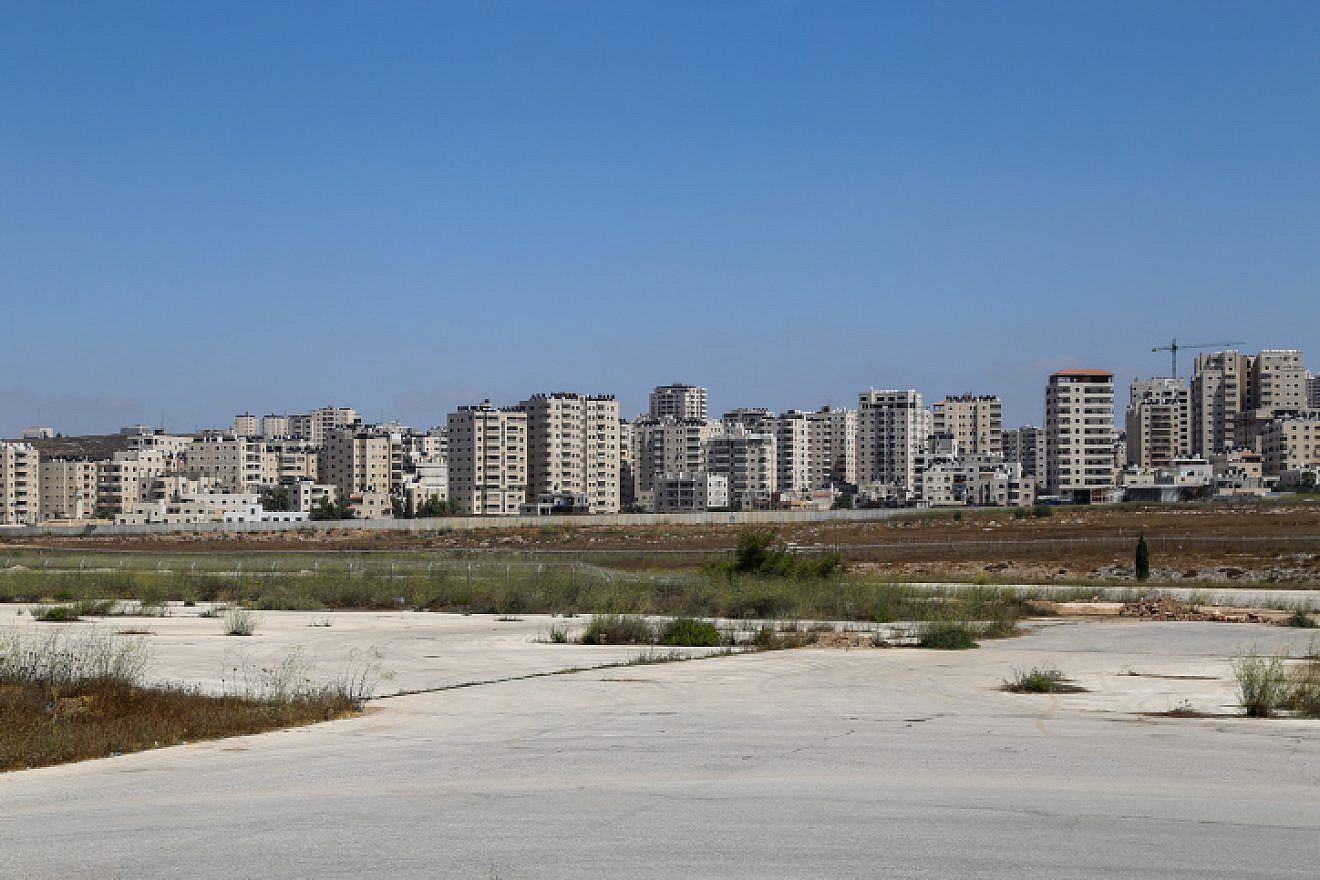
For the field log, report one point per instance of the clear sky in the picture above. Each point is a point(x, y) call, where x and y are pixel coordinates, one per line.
point(207, 208)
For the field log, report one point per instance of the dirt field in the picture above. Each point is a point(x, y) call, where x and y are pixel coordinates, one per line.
point(1274, 542)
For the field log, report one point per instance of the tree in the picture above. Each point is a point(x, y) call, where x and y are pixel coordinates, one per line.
point(278, 499)
point(328, 509)
point(1143, 559)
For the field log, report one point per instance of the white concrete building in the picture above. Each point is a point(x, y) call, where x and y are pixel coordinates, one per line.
point(487, 460)
point(20, 484)
point(1159, 422)
point(359, 461)
point(37, 432)
point(246, 425)
point(1219, 402)
point(891, 432)
point(678, 401)
point(1079, 435)
point(573, 448)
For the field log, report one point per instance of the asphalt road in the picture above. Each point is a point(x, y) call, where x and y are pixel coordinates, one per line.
point(864, 763)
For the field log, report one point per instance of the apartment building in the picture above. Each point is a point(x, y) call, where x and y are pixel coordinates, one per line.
point(795, 468)
point(1290, 442)
point(358, 461)
point(317, 425)
point(20, 484)
point(1276, 383)
point(756, 419)
point(273, 426)
point(1026, 446)
point(1312, 391)
point(891, 432)
point(975, 422)
point(238, 464)
point(573, 448)
point(68, 488)
point(246, 425)
point(1079, 435)
point(747, 460)
point(627, 465)
point(487, 459)
point(1219, 402)
point(1158, 422)
point(668, 446)
point(127, 477)
point(691, 493)
point(833, 438)
point(678, 402)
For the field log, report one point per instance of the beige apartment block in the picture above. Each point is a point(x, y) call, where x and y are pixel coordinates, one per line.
point(68, 488)
point(1079, 435)
point(127, 478)
point(1276, 384)
point(669, 446)
point(1291, 443)
point(833, 437)
point(573, 448)
point(359, 462)
point(317, 425)
point(246, 425)
point(1312, 391)
point(487, 460)
point(20, 484)
point(795, 467)
point(891, 433)
point(975, 422)
point(678, 402)
point(1219, 402)
point(1159, 422)
point(747, 460)
point(238, 464)
point(275, 426)
point(1026, 446)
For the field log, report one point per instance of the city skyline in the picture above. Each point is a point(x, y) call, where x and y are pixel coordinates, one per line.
point(419, 207)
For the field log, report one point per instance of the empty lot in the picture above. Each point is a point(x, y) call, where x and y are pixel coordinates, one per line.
point(799, 763)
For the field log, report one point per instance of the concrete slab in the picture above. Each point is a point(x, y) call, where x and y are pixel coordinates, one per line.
point(859, 763)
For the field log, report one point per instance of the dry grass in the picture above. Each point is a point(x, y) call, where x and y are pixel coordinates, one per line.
point(98, 718)
point(70, 695)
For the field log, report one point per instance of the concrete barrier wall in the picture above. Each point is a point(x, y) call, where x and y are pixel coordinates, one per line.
point(463, 523)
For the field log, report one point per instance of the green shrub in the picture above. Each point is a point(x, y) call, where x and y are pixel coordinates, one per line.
point(1263, 686)
point(55, 613)
point(618, 629)
point(767, 638)
point(1040, 511)
point(690, 632)
point(1301, 619)
point(1037, 680)
point(946, 636)
point(559, 635)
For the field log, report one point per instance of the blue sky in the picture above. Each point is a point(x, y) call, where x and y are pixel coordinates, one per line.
point(211, 208)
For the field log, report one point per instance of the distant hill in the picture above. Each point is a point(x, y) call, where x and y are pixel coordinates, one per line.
point(94, 446)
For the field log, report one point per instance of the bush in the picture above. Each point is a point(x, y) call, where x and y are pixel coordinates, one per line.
point(240, 622)
point(55, 613)
point(946, 636)
point(1037, 680)
point(559, 635)
point(756, 555)
point(767, 638)
point(690, 632)
point(1040, 511)
point(1263, 686)
point(1304, 698)
point(1301, 619)
point(618, 629)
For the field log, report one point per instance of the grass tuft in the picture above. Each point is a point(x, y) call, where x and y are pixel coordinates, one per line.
point(239, 622)
point(946, 636)
point(1037, 680)
point(618, 629)
point(688, 632)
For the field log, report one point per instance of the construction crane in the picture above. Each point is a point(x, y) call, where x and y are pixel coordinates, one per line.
point(1173, 346)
